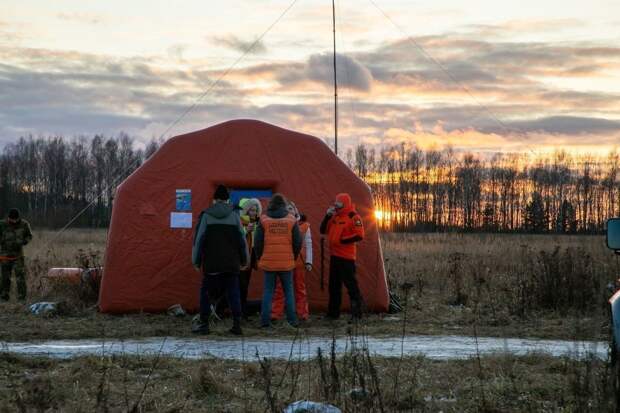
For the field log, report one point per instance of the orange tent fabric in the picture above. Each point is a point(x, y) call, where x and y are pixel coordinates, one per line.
point(148, 264)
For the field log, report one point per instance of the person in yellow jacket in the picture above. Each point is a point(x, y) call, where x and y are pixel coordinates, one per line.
point(277, 244)
point(251, 211)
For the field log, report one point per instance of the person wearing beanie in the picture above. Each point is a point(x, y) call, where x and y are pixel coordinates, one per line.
point(219, 252)
point(15, 233)
point(251, 211)
point(277, 244)
point(221, 193)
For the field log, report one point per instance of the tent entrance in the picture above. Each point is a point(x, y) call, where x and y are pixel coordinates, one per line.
point(239, 193)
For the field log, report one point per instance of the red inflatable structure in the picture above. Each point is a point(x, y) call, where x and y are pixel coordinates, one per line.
point(148, 257)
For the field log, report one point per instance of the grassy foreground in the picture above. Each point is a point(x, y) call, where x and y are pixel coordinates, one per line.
point(354, 383)
point(493, 285)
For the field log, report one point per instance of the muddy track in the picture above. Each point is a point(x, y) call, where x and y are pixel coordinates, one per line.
point(433, 347)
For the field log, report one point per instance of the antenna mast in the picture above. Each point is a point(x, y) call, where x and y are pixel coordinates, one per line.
point(335, 81)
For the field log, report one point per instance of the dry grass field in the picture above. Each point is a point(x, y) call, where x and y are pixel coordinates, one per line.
point(469, 284)
point(491, 285)
point(354, 383)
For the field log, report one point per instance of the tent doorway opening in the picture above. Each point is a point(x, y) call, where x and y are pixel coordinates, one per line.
point(238, 194)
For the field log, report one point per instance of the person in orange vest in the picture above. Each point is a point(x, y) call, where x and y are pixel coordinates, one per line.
point(277, 244)
point(344, 228)
point(303, 264)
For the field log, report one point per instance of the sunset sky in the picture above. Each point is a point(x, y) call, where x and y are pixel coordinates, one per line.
point(527, 75)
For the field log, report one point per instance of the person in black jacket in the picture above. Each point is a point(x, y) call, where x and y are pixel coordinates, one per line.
point(219, 252)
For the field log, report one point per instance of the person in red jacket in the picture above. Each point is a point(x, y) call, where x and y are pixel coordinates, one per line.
point(344, 228)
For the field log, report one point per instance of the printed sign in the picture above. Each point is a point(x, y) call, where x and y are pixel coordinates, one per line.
point(180, 220)
point(184, 200)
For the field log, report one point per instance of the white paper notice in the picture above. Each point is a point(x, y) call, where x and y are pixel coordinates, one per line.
point(180, 220)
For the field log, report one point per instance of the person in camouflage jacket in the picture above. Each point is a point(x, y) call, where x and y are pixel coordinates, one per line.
point(15, 233)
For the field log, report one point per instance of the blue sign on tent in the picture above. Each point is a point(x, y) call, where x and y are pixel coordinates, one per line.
point(237, 195)
point(184, 200)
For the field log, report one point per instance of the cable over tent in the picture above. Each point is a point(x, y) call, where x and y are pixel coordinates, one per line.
point(148, 257)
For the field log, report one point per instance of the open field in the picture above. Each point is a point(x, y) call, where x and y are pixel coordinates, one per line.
point(485, 384)
point(490, 285)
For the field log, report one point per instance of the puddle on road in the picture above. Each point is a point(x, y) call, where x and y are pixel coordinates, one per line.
point(433, 347)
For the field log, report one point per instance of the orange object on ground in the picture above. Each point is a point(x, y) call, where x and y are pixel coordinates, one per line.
point(70, 275)
point(148, 264)
point(75, 275)
point(4, 258)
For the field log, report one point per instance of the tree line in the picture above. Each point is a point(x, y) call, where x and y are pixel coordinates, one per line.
point(53, 179)
point(442, 190)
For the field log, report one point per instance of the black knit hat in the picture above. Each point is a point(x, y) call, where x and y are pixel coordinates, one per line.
point(221, 193)
point(14, 213)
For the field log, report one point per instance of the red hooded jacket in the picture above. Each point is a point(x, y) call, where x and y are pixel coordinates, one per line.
point(343, 229)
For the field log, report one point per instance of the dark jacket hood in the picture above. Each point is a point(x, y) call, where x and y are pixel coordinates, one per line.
point(220, 210)
point(277, 212)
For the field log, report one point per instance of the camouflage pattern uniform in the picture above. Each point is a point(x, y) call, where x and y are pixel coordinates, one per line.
point(13, 237)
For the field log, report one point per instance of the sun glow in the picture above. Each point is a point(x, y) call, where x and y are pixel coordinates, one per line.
point(379, 215)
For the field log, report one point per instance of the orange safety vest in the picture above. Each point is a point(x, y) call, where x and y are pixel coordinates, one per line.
point(303, 228)
point(278, 244)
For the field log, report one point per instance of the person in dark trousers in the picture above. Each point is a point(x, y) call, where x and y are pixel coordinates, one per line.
point(219, 252)
point(344, 228)
point(15, 233)
point(277, 244)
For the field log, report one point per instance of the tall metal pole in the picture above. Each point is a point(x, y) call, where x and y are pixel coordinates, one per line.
point(335, 81)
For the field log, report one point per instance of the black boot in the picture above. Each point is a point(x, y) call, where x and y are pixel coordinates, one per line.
point(236, 327)
point(356, 311)
point(201, 327)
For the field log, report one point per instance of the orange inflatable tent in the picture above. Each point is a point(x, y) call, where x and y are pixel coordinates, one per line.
point(148, 257)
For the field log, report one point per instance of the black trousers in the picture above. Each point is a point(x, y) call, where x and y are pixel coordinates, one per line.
point(342, 271)
point(6, 268)
point(244, 284)
point(213, 287)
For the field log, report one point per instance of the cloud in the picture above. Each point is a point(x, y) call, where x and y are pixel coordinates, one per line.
point(235, 43)
point(85, 18)
point(513, 27)
point(319, 68)
point(567, 125)
point(351, 72)
point(176, 51)
point(481, 62)
point(390, 92)
point(95, 94)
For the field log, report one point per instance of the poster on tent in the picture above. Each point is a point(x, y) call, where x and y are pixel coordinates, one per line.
point(184, 200)
point(180, 220)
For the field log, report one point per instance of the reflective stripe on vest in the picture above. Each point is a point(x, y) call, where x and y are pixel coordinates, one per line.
point(278, 244)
